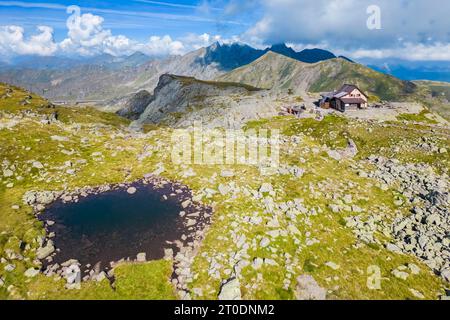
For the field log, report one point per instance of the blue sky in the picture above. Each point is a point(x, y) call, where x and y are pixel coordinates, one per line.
point(413, 30)
point(136, 19)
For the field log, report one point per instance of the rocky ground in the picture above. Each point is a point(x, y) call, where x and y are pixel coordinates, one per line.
point(350, 196)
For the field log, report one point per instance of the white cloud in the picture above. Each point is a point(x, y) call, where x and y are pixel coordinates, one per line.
point(162, 46)
point(13, 41)
point(410, 30)
point(197, 41)
point(343, 23)
point(409, 51)
point(86, 36)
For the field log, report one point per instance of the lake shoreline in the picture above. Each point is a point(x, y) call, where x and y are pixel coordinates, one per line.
point(193, 220)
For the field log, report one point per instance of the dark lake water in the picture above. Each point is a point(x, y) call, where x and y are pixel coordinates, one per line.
point(114, 225)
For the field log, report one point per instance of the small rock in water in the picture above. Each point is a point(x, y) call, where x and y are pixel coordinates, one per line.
point(131, 190)
point(190, 222)
point(141, 257)
point(168, 254)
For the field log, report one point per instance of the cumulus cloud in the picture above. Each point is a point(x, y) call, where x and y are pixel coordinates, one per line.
point(412, 30)
point(86, 36)
point(162, 46)
point(13, 41)
point(197, 41)
point(343, 23)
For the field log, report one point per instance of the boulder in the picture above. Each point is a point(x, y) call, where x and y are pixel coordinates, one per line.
point(73, 276)
point(264, 242)
point(223, 189)
point(227, 173)
point(191, 222)
point(29, 197)
point(37, 165)
point(308, 289)
point(257, 263)
point(334, 155)
point(231, 290)
point(266, 188)
point(44, 252)
point(59, 138)
point(417, 294)
point(99, 277)
point(9, 267)
point(400, 274)
point(31, 273)
point(7, 173)
point(332, 265)
point(446, 274)
point(45, 197)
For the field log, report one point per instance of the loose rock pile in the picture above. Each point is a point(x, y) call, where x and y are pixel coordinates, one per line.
point(425, 233)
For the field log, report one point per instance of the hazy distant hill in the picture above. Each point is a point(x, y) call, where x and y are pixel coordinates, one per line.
point(413, 70)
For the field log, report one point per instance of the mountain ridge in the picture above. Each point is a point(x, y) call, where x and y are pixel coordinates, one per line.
point(108, 79)
point(277, 72)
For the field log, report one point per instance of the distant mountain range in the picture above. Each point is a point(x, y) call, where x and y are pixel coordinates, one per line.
point(232, 56)
point(111, 81)
point(108, 79)
point(64, 63)
point(177, 98)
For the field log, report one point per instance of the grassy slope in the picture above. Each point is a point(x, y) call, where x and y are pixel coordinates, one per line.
point(218, 84)
point(151, 280)
point(31, 140)
point(377, 84)
point(277, 71)
point(436, 95)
